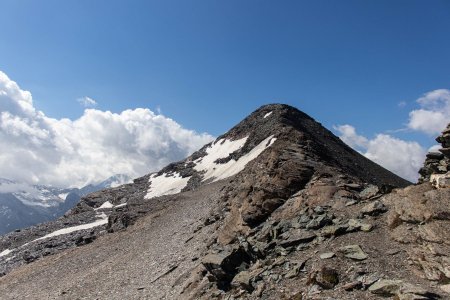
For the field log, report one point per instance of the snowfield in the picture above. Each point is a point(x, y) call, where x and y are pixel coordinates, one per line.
point(103, 219)
point(5, 252)
point(168, 184)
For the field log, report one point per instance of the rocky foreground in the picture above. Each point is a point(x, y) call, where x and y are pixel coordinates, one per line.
point(307, 218)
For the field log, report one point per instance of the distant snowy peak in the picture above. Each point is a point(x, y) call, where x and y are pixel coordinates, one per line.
point(48, 196)
point(115, 181)
point(34, 195)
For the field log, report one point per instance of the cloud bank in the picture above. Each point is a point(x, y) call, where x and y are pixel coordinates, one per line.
point(62, 152)
point(404, 158)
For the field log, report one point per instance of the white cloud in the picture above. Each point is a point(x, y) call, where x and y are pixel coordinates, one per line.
point(434, 112)
point(403, 158)
point(87, 102)
point(37, 149)
point(350, 137)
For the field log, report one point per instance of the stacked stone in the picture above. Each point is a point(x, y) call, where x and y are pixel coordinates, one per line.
point(437, 163)
point(444, 140)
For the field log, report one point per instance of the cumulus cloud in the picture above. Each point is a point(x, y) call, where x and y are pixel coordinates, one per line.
point(87, 102)
point(62, 152)
point(433, 114)
point(350, 137)
point(403, 158)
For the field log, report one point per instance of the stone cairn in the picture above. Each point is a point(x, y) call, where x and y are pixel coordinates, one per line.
point(436, 168)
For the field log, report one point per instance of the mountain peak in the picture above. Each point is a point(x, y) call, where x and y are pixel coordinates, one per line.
point(275, 185)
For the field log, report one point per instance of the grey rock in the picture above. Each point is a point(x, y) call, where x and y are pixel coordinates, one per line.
point(334, 230)
point(374, 208)
point(327, 277)
point(327, 255)
point(354, 252)
point(369, 192)
point(414, 292)
point(385, 287)
point(298, 236)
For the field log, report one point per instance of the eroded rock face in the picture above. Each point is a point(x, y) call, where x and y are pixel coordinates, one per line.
point(420, 219)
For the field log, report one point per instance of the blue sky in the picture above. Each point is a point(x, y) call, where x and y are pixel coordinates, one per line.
point(207, 64)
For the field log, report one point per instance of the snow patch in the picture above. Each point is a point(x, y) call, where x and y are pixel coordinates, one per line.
point(268, 114)
point(121, 205)
point(63, 196)
point(103, 219)
point(173, 183)
point(5, 252)
point(166, 184)
point(107, 204)
point(219, 149)
point(232, 167)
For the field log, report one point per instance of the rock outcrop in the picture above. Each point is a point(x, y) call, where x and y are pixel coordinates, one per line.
point(437, 164)
point(305, 218)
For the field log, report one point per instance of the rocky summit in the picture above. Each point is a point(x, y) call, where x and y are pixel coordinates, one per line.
point(276, 208)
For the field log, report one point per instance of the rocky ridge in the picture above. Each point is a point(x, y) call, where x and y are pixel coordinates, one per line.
point(308, 218)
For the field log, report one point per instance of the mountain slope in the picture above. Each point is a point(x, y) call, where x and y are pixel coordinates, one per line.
point(23, 205)
point(246, 216)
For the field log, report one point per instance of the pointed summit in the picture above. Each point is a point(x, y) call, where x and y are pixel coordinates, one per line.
point(279, 127)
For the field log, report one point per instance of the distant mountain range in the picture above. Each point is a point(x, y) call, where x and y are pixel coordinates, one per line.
point(23, 205)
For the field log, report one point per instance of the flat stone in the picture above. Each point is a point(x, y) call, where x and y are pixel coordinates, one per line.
point(385, 287)
point(298, 237)
point(369, 192)
point(435, 155)
point(445, 151)
point(327, 255)
point(353, 186)
point(354, 252)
